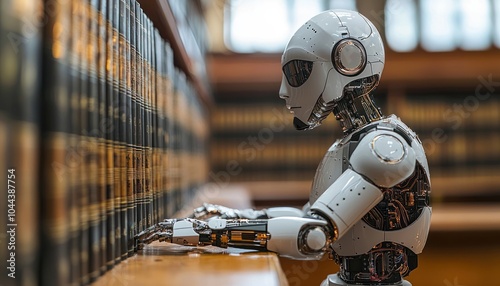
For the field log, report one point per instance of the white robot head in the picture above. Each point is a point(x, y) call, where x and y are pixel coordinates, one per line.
point(332, 63)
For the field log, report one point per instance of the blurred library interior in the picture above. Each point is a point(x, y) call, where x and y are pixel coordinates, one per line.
point(116, 114)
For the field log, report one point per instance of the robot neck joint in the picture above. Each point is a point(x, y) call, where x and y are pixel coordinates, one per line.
point(356, 107)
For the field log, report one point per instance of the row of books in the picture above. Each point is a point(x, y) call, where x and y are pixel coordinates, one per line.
point(104, 134)
point(245, 118)
point(459, 113)
point(468, 113)
point(260, 138)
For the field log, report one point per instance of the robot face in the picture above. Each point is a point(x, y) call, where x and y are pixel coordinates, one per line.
point(302, 79)
point(331, 50)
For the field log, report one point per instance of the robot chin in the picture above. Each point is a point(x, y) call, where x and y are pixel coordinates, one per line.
point(299, 124)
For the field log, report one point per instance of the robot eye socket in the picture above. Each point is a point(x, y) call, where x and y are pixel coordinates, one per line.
point(349, 57)
point(297, 72)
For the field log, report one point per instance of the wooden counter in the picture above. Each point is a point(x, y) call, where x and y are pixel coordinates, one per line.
point(166, 264)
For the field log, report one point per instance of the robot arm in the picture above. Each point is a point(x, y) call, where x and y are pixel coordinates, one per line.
point(294, 237)
point(381, 160)
point(346, 201)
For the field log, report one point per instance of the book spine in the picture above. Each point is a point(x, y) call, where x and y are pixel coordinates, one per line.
point(169, 138)
point(132, 230)
point(92, 133)
point(117, 114)
point(84, 144)
point(110, 127)
point(147, 125)
point(123, 120)
point(136, 115)
point(152, 126)
point(140, 124)
point(102, 129)
point(128, 234)
point(7, 89)
point(19, 136)
point(159, 98)
point(54, 218)
point(76, 161)
point(138, 152)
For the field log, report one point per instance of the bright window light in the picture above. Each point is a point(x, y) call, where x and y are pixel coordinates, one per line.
point(401, 25)
point(343, 4)
point(438, 25)
point(267, 25)
point(475, 28)
point(496, 29)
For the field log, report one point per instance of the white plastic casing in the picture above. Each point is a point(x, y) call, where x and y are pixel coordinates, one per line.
point(347, 200)
point(284, 211)
point(362, 237)
point(184, 234)
point(314, 41)
point(384, 163)
point(285, 233)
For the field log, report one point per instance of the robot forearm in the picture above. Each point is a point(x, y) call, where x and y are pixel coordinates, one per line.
point(299, 238)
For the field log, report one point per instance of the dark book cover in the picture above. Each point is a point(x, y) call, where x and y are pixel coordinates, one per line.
point(137, 112)
point(55, 98)
point(152, 109)
point(159, 103)
point(76, 160)
point(169, 131)
point(128, 238)
point(141, 211)
point(177, 140)
point(92, 133)
point(102, 129)
point(148, 114)
point(7, 90)
point(20, 50)
point(123, 108)
point(110, 143)
point(117, 116)
point(84, 148)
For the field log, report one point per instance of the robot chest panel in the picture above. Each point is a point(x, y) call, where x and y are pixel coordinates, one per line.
point(334, 163)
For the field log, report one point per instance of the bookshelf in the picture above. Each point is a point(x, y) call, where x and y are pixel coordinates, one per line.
point(449, 99)
point(103, 118)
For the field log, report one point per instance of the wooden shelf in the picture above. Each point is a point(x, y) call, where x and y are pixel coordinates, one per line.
point(419, 69)
point(161, 15)
point(169, 264)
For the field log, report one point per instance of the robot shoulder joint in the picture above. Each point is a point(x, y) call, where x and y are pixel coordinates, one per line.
point(384, 157)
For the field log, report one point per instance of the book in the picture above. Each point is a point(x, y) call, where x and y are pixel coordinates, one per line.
point(124, 118)
point(109, 136)
point(92, 136)
point(117, 122)
point(102, 130)
point(55, 97)
point(19, 132)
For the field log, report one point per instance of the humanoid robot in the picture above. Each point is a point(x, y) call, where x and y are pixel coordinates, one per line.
point(369, 203)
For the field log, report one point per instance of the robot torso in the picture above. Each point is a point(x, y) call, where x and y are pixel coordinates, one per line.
point(386, 240)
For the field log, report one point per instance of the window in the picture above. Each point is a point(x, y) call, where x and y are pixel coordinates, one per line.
point(475, 24)
point(401, 25)
point(436, 26)
point(496, 9)
point(267, 25)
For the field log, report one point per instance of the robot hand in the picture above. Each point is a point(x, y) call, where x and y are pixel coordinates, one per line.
point(294, 237)
point(210, 211)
